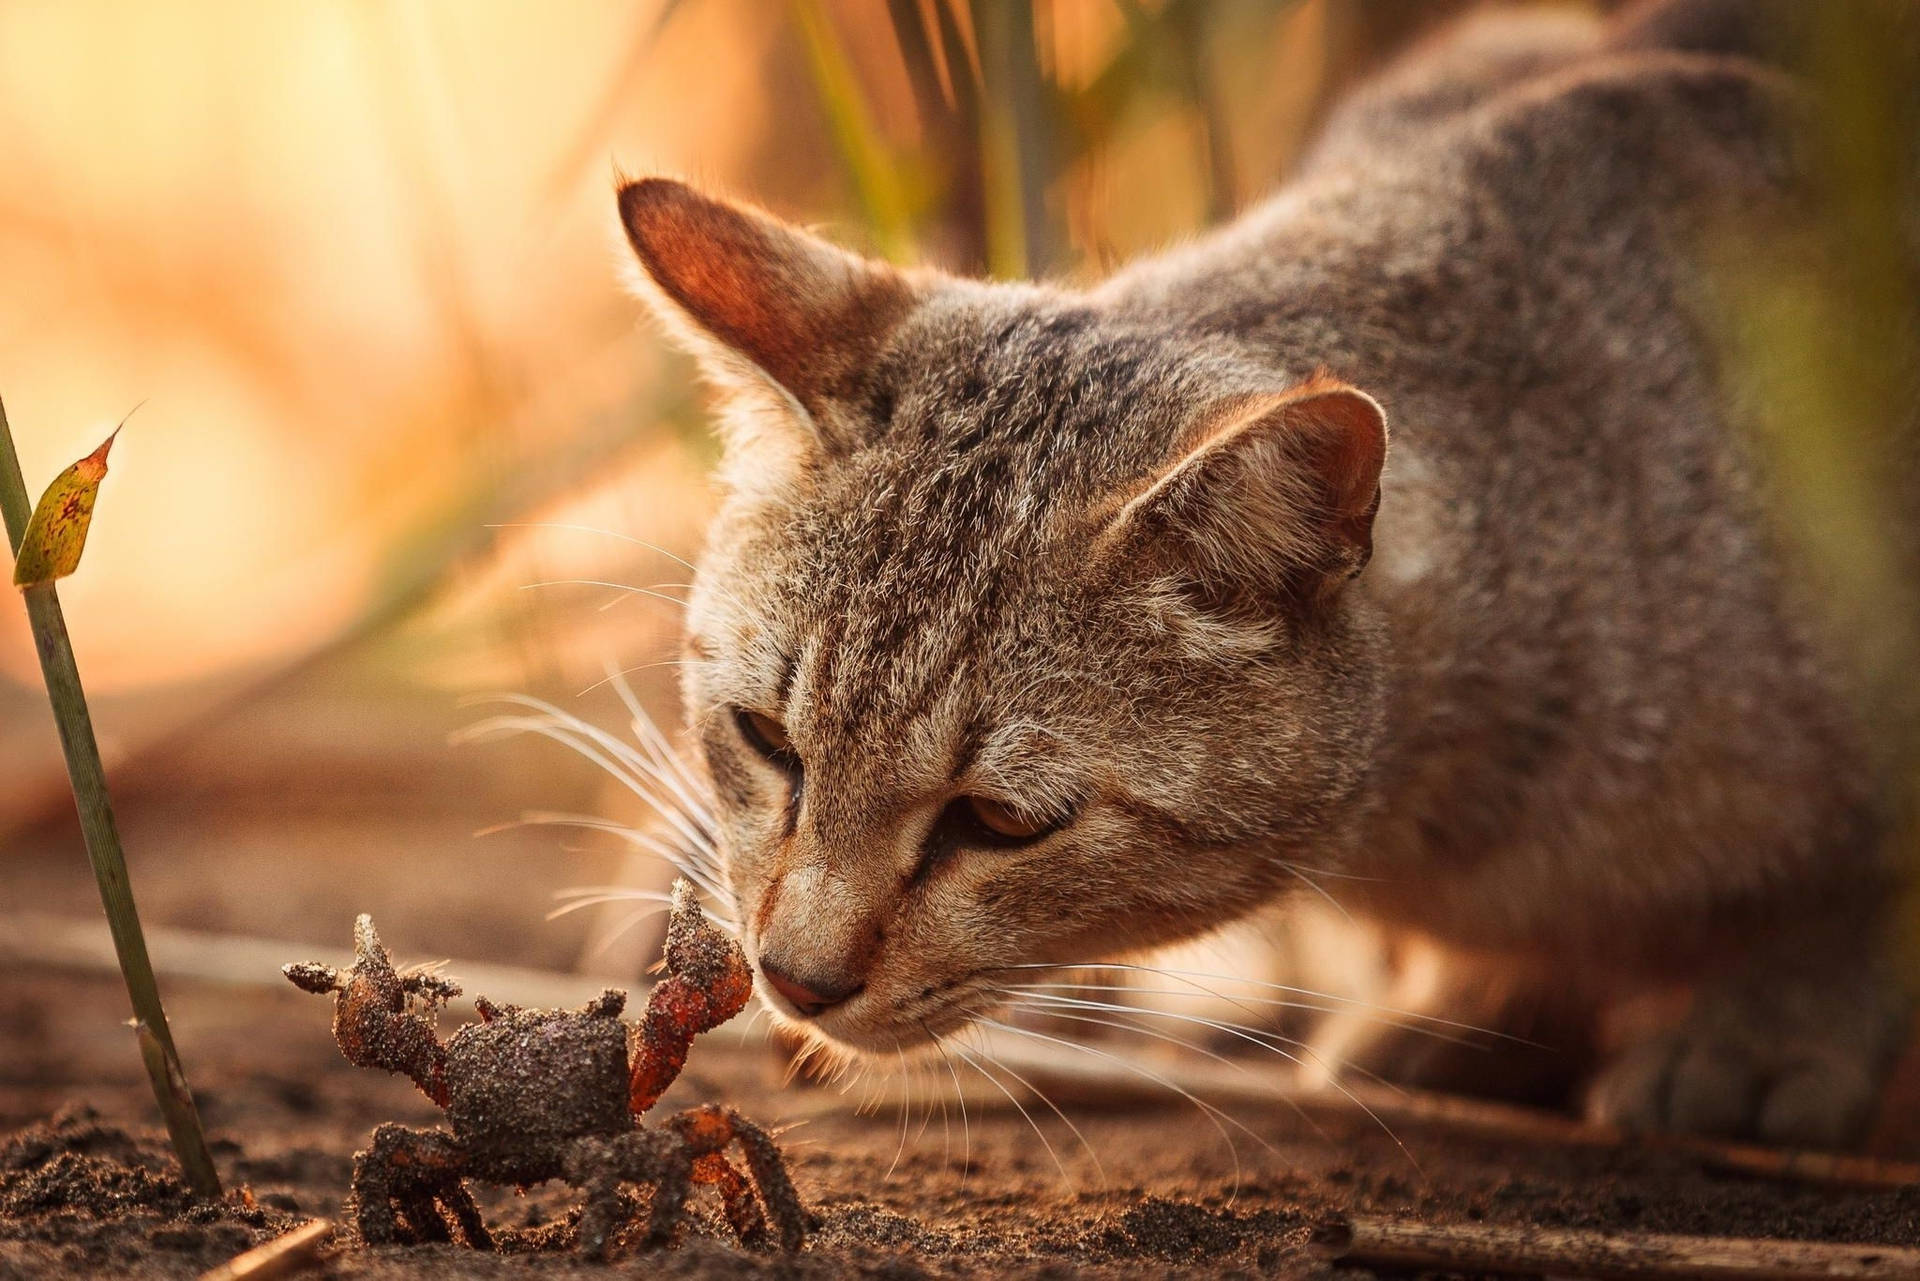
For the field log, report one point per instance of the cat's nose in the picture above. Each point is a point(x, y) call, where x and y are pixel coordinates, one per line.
point(813, 1000)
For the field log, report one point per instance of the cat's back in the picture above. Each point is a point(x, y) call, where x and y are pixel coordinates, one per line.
point(1588, 614)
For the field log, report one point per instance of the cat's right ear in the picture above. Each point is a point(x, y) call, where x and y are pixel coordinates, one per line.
point(1273, 497)
point(763, 303)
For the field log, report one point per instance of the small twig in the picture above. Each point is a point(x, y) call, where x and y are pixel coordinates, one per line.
point(1633, 1256)
point(284, 1256)
point(89, 779)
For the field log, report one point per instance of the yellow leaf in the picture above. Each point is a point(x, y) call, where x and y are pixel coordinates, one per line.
point(57, 534)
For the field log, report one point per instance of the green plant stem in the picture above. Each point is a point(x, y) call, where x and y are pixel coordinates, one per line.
point(863, 149)
point(89, 780)
point(1015, 142)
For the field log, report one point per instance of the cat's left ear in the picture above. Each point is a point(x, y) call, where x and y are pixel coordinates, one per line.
point(1275, 497)
point(759, 300)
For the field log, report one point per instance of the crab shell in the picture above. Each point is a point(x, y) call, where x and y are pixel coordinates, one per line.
point(524, 1085)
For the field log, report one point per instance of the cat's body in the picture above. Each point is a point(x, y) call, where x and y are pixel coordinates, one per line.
point(1102, 559)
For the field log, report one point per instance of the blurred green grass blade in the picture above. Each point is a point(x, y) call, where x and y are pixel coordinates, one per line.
point(1016, 140)
point(877, 174)
point(89, 779)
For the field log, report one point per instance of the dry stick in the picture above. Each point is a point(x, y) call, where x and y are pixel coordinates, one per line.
point(89, 780)
point(284, 1256)
point(1488, 1247)
point(1511, 1122)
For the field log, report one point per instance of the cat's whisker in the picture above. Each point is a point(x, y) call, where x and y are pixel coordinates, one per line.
point(679, 859)
point(926, 1115)
point(691, 789)
point(687, 863)
point(1049, 1009)
point(620, 761)
point(589, 741)
point(626, 923)
point(612, 893)
point(1212, 1113)
point(1294, 870)
point(599, 896)
point(1042, 1095)
point(1333, 1079)
point(1272, 1042)
point(652, 760)
point(654, 590)
point(959, 1097)
point(577, 902)
point(1336, 875)
point(1184, 1043)
point(1040, 1134)
point(628, 589)
point(1191, 978)
point(906, 1115)
point(604, 681)
point(625, 538)
point(1242, 1002)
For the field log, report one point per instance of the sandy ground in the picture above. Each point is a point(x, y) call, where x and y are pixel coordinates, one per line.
point(284, 821)
point(85, 1188)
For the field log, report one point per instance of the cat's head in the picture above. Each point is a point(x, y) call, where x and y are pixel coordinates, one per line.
point(1023, 634)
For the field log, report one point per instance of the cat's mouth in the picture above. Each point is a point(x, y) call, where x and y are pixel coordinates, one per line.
point(878, 1021)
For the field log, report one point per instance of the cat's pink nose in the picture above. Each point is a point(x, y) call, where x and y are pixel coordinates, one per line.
point(810, 1001)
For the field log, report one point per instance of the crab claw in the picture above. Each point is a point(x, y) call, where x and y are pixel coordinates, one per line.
point(706, 958)
point(311, 976)
point(371, 1022)
point(708, 982)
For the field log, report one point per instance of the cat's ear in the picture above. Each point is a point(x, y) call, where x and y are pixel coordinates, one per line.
point(1275, 495)
point(758, 299)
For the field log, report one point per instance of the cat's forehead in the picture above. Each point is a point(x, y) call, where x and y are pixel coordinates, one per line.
point(932, 573)
point(1042, 378)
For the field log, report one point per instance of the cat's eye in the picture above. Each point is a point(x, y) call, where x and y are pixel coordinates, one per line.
point(1004, 820)
point(981, 820)
point(768, 737)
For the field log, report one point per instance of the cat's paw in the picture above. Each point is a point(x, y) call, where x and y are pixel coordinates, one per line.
point(1735, 1071)
point(1695, 1084)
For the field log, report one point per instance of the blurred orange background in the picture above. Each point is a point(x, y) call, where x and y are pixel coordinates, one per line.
point(359, 265)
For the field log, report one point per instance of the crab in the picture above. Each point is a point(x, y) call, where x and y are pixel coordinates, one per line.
point(534, 1095)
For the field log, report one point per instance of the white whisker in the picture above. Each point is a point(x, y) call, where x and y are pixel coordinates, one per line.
point(1191, 977)
point(688, 863)
point(626, 923)
point(1242, 1002)
point(627, 588)
point(1234, 1030)
point(625, 764)
point(640, 667)
point(959, 1097)
point(1212, 1113)
point(1065, 1120)
point(906, 1100)
point(651, 737)
point(1294, 871)
point(625, 538)
point(974, 1063)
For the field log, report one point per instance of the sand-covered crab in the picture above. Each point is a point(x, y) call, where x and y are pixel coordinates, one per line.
point(534, 1095)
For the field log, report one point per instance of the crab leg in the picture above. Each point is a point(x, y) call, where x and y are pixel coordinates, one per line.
point(708, 1130)
point(736, 1195)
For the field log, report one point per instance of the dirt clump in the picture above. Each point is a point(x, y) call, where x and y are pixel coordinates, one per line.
point(78, 1195)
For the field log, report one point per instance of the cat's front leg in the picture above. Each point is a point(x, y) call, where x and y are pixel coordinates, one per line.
point(1792, 1048)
